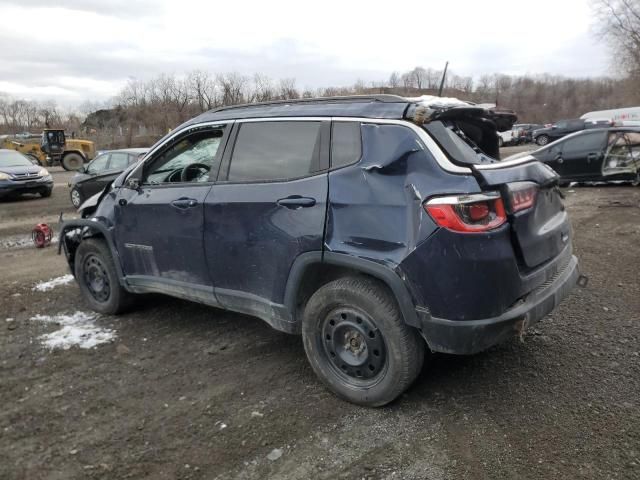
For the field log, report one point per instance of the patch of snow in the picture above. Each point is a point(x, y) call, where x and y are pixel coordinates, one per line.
point(78, 330)
point(20, 241)
point(433, 101)
point(53, 283)
point(275, 454)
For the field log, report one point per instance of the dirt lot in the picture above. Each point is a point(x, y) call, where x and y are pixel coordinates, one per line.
point(185, 391)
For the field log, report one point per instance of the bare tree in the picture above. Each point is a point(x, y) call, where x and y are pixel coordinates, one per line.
point(619, 23)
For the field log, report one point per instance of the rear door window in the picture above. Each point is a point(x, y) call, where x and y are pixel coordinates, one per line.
point(346, 143)
point(267, 151)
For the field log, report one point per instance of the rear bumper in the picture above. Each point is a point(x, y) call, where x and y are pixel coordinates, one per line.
point(464, 337)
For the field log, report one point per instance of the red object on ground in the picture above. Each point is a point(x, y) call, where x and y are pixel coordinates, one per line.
point(41, 235)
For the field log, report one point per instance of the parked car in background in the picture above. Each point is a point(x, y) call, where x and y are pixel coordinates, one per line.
point(598, 123)
point(373, 226)
point(546, 135)
point(102, 170)
point(595, 155)
point(617, 115)
point(524, 131)
point(506, 138)
point(19, 175)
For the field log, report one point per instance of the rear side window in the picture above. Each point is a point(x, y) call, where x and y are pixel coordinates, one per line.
point(346, 143)
point(275, 151)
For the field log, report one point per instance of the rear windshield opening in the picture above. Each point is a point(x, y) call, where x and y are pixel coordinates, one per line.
point(466, 142)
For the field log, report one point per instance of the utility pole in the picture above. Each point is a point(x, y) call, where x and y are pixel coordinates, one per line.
point(444, 75)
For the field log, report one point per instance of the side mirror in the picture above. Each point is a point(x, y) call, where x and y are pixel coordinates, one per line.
point(132, 183)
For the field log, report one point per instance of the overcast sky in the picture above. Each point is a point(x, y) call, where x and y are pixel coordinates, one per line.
point(86, 50)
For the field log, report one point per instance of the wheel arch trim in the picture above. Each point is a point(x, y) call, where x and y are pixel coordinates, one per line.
point(98, 227)
point(383, 273)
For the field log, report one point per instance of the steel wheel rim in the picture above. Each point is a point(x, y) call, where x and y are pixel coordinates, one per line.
point(354, 346)
point(75, 198)
point(96, 278)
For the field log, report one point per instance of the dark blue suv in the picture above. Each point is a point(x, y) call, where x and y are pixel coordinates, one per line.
point(376, 227)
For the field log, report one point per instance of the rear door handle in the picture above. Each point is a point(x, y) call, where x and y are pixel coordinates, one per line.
point(184, 203)
point(296, 201)
point(592, 156)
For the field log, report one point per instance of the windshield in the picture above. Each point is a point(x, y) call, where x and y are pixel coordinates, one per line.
point(13, 159)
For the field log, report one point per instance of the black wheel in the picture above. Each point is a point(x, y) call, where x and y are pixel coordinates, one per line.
point(97, 278)
point(357, 342)
point(72, 161)
point(542, 140)
point(46, 193)
point(76, 197)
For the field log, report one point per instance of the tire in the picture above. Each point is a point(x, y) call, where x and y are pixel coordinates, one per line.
point(96, 275)
point(388, 354)
point(72, 161)
point(76, 197)
point(46, 193)
point(542, 140)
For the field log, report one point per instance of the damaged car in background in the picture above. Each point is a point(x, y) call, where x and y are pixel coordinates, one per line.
point(597, 155)
point(376, 227)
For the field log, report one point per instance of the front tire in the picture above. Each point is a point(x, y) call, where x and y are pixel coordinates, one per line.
point(72, 161)
point(357, 342)
point(542, 140)
point(98, 280)
point(76, 197)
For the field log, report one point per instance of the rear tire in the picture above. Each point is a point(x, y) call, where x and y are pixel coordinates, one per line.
point(357, 342)
point(542, 140)
point(98, 280)
point(72, 161)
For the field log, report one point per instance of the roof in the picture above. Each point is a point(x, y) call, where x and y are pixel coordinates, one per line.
point(367, 106)
point(126, 150)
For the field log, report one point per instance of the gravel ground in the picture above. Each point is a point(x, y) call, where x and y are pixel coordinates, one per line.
point(189, 392)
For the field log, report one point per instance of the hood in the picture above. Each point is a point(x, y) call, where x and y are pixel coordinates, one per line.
point(21, 170)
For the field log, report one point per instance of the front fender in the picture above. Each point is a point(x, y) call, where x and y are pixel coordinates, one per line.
point(73, 232)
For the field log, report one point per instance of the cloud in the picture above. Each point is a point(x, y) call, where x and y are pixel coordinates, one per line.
point(88, 49)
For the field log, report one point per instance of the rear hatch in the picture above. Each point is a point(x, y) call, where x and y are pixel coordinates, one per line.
point(540, 224)
point(533, 202)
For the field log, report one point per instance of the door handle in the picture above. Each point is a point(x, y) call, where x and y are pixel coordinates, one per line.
point(296, 201)
point(592, 156)
point(184, 203)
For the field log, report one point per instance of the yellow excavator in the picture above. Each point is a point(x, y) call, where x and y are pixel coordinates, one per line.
point(53, 148)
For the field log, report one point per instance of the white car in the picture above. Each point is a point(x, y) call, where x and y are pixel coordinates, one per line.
point(506, 138)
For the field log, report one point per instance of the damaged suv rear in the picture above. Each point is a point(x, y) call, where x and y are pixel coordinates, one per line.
point(376, 227)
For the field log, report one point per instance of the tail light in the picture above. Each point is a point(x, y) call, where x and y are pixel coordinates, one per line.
point(522, 195)
point(468, 213)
